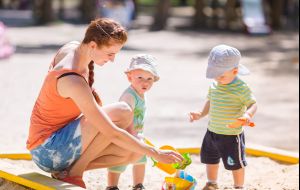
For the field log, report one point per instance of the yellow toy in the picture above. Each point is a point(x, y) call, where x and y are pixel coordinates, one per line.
point(171, 168)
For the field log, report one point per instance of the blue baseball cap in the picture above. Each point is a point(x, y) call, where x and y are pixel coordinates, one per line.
point(224, 58)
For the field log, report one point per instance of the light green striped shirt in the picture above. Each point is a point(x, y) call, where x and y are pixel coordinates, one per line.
point(227, 103)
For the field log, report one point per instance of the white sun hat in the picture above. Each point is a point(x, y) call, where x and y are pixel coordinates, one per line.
point(144, 62)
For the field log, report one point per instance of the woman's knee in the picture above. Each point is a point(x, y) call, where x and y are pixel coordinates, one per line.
point(126, 112)
point(134, 157)
point(122, 115)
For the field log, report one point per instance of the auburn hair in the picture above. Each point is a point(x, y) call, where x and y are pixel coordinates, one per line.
point(105, 32)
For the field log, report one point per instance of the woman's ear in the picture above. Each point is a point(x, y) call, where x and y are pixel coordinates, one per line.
point(93, 44)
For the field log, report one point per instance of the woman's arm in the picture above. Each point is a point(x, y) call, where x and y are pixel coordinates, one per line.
point(128, 99)
point(75, 87)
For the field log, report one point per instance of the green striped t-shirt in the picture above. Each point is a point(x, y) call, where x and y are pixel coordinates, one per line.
point(227, 103)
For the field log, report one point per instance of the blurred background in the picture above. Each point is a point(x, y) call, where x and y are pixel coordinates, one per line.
point(180, 33)
point(197, 14)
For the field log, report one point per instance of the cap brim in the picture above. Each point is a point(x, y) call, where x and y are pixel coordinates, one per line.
point(243, 70)
point(214, 72)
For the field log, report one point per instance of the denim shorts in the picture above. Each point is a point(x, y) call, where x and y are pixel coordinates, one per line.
point(60, 150)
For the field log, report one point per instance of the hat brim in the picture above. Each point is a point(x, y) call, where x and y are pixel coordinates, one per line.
point(214, 72)
point(243, 70)
point(145, 68)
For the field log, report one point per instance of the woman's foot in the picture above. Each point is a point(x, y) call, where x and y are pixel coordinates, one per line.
point(112, 188)
point(138, 187)
point(63, 176)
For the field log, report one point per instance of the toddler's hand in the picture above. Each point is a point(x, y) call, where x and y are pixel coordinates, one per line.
point(242, 121)
point(195, 116)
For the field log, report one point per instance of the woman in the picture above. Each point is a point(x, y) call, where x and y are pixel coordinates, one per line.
point(70, 131)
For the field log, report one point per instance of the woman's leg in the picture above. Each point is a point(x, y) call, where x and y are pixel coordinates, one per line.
point(97, 150)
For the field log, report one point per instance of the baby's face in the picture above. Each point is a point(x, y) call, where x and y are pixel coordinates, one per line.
point(141, 80)
point(227, 77)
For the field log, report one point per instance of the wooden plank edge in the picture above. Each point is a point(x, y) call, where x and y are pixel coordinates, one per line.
point(23, 181)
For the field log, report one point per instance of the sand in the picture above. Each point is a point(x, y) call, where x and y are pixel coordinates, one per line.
point(261, 174)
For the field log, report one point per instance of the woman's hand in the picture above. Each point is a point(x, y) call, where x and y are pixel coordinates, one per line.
point(167, 156)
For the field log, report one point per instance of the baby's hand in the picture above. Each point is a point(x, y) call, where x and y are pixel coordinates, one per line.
point(195, 116)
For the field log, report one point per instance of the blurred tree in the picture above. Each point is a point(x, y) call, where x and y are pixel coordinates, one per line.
point(230, 12)
point(1, 4)
point(42, 11)
point(199, 17)
point(161, 15)
point(183, 2)
point(61, 10)
point(276, 10)
point(88, 9)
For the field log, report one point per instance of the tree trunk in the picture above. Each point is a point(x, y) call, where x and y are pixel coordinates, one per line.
point(276, 7)
point(1, 4)
point(89, 10)
point(42, 11)
point(230, 12)
point(161, 15)
point(199, 17)
point(61, 11)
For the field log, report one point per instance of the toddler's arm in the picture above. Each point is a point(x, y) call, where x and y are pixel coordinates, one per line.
point(251, 110)
point(246, 119)
point(200, 114)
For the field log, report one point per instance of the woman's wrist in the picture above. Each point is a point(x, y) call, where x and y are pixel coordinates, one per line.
point(152, 152)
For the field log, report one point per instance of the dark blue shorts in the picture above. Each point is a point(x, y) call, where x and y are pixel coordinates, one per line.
point(231, 148)
point(60, 150)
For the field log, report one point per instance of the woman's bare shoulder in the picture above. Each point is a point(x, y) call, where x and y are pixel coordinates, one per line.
point(62, 54)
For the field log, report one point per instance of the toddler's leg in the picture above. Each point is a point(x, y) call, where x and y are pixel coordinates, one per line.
point(239, 177)
point(138, 174)
point(113, 179)
point(114, 174)
point(212, 177)
point(212, 172)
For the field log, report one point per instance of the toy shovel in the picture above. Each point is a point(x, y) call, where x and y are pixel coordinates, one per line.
point(240, 122)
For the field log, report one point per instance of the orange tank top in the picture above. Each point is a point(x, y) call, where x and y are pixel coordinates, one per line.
point(51, 112)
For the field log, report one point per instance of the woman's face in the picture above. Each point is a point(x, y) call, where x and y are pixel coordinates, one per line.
point(105, 54)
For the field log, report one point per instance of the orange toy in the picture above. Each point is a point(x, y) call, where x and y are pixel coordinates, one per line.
point(240, 122)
